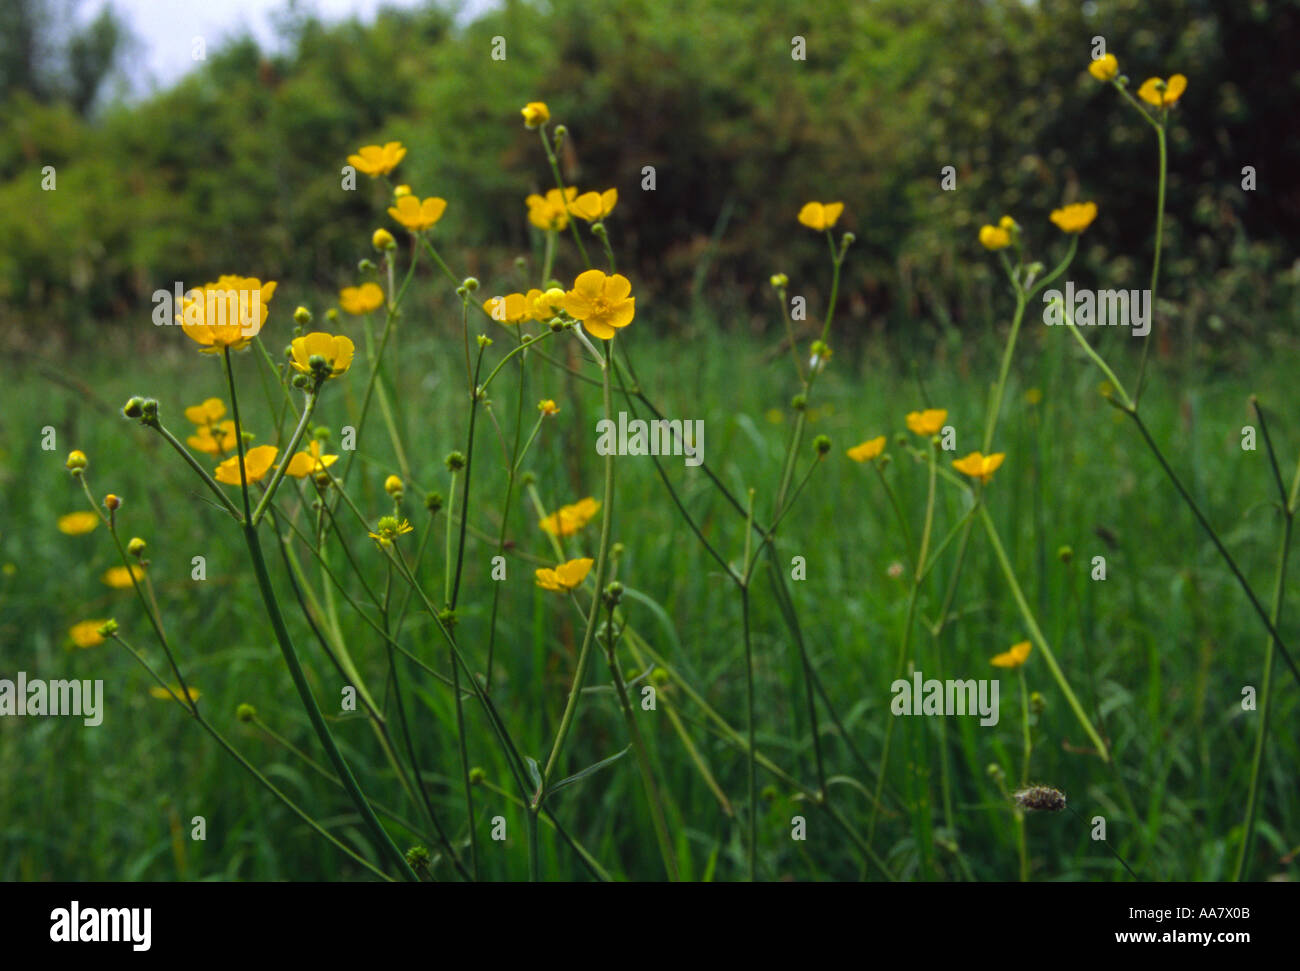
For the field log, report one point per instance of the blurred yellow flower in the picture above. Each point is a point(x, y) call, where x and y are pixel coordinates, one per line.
point(401, 190)
point(594, 206)
point(119, 577)
point(1162, 93)
point(381, 239)
point(567, 520)
point(978, 465)
point(215, 440)
point(206, 413)
point(227, 313)
point(306, 463)
point(552, 210)
point(362, 299)
point(868, 450)
point(1104, 68)
point(375, 161)
point(416, 215)
point(1014, 657)
point(158, 691)
point(336, 350)
point(548, 407)
point(819, 216)
point(510, 309)
point(535, 114)
point(566, 576)
point(928, 422)
point(1076, 217)
point(601, 302)
point(994, 237)
point(86, 633)
point(77, 523)
point(257, 462)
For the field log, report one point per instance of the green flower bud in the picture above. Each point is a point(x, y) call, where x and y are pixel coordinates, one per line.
point(245, 713)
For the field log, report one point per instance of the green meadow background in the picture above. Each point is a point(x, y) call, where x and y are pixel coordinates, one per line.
point(236, 169)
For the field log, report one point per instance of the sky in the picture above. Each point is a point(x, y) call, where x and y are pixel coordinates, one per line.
point(164, 30)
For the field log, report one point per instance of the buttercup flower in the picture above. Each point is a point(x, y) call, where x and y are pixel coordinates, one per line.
point(306, 463)
point(416, 215)
point(119, 577)
point(257, 462)
point(535, 114)
point(77, 523)
point(381, 239)
point(228, 313)
point(389, 528)
point(375, 161)
point(543, 306)
point(335, 350)
point(76, 460)
point(548, 407)
point(401, 190)
point(510, 309)
point(394, 487)
point(1162, 93)
point(158, 691)
point(594, 206)
point(1014, 657)
point(1104, 68)
point(208, 412)
point(819, 215)
point(86, 633)
point(566, 576)
point(215, 440)
point(1076, 217)
point(979, 466)
point(928, 422)
point(868, 450)
point(362, 299)
point(994, 237)
point(552, 210)
point(601, 302)
point(567, 520)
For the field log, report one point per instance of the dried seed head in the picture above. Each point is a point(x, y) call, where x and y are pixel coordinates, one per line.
point(1040, 799)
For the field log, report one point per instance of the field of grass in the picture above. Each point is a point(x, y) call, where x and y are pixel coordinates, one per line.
point(1158, 652)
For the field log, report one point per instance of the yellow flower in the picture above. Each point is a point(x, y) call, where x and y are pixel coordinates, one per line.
point(158, 691)
point(544, 306)
point(1162, 93)
point(535, 114)
point(393, 485)
point(257, 462)
point(389, 528)
point(1076, 217)
point(336, 350)
point(552, 210)
point(228, 313)
point(819, 215)
point(928, 422)
point(119, 577)
point(306, 463)
point(510, 309)
point(867, 450)
point(86, 633)
point(979, 466)
point(567, 520)
point(362, 299)
point(1104, 68)
point(1009, 224)
point(416, 215)
point(401, 190)
point(76, 523)
point(76, 460)
point(206, 413)
point(215, 440)
point(601, 302)
point(566, 576)
point(1014, 657)
point(381, 239)
point(375, 161)
point(594, 206)
point(994, 237)
point(548, 407)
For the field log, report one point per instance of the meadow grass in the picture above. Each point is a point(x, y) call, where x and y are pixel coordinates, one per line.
point(1158, 652)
